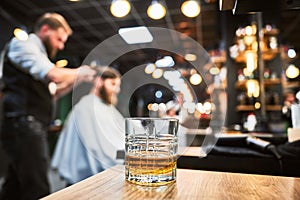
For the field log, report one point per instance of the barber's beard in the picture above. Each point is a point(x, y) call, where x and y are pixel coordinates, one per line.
point(110, 99)
point(50, 50)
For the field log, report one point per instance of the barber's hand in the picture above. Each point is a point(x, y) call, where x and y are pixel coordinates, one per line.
point(85, 74)
point(66, 76)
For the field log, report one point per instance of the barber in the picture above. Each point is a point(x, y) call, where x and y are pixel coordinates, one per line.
point(27, 73)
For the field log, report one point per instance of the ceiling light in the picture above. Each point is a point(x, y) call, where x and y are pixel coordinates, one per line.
point(20, 34)
point(156, 10)
point(190, 8)
point(136, 35)
point(120, 8)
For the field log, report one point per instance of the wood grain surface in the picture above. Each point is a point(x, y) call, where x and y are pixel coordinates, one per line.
point(190, 184)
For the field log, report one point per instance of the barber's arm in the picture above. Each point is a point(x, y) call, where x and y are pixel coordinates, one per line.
point(65, 78)
point(30, 58)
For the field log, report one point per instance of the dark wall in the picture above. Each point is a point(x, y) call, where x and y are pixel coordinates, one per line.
point(6, 31)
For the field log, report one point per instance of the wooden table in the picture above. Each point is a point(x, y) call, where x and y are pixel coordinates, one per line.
point(190, 184)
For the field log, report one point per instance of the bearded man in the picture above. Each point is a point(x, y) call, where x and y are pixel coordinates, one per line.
point(27, 104)
point(93, 132)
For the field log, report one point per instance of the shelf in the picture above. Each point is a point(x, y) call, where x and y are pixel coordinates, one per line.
point(270, 54)
point(267, 82)
point(252, 108)
point(274, 108)
point(269, 87)
point(272, 81)
point(245, 108)
point(273, 31)
point(54, 128)
point(267, 55)
point(290, 84)
point(241, 84)
point(287, 59)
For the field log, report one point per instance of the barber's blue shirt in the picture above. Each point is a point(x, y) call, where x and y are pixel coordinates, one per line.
point(31, 56)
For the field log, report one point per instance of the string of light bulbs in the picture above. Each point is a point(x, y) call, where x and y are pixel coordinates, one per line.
point(156, 10)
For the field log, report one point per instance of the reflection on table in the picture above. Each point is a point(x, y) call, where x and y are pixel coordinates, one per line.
point(190, 184)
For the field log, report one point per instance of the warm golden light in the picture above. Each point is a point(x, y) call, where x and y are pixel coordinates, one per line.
point(257, 105)
point(156, 10)
point(190, 57)
point(61, 63)
point(149, 106)
point(214, 71)
point(20, 34)
point(246, 72)
point(195, 79)
point(254, 46)
point(251, 62)
point(254, 29)
point(190, 8)
point(157, 73)
point(249, 40)
point(252, 88)
point(120, 8)
point(149, 69)
point(292, 71)
point(249, 30)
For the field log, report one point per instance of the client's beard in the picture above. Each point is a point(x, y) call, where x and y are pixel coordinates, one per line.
point(108, 99)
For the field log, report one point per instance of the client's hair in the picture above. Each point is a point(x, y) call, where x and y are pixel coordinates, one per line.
point(107, 72)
